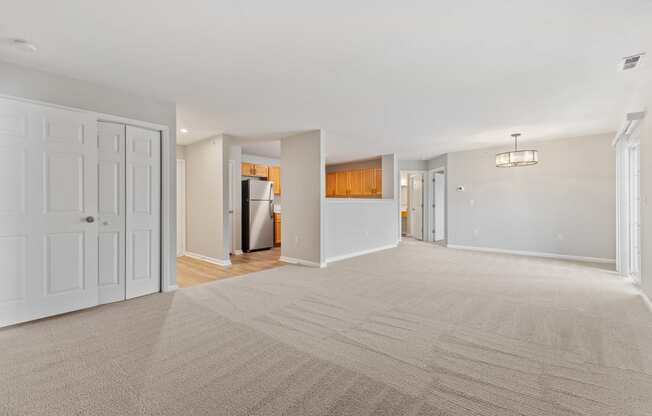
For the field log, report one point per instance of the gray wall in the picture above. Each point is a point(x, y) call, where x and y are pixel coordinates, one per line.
point(563, 205)
point(302, 176)
point(42, 86)
point(260, 160)
point(204, 198)
point(646, 200)
point(235, 154)
point(438, 162)
point(412, 164)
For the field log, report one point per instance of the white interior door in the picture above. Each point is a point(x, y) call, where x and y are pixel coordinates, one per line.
point(181, 207)
point(111, 211)
point(439, 192)
point(143, 219)
point(416, 206)
point(48, 207)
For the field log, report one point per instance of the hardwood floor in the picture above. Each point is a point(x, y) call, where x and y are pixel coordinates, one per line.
point(192, 272)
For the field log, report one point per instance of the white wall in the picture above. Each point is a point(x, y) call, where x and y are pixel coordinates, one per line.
point(563, 205)
point(28, 83)
point(356, 226)
point(303, 185)
point(205, 199)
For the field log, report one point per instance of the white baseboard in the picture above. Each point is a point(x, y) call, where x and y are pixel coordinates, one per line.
point(292, 260)
point(170, 288)
point(224, 263)
point(238, 253)
point(360, 253)
point(535, 254)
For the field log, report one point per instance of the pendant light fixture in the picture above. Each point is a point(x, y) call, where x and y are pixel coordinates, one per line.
point(516, 157)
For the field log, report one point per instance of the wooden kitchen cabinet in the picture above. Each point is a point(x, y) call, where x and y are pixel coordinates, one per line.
point(275, 178)
point(355, 183)
point(331, 182)
point(342, 184)
point(378, 183)
point(247, 169)
point(277, 228)
point(262, 171)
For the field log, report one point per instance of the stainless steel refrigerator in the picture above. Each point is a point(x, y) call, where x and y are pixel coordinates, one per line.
point(257, 215)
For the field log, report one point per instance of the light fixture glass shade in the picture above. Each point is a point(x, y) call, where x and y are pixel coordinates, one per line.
point(517, 158)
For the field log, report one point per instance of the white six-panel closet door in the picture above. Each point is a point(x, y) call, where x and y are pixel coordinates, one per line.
point(48, 206)
point(111, 211)
point(143, 213)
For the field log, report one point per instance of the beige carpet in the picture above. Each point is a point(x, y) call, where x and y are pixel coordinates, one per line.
point(418, 330)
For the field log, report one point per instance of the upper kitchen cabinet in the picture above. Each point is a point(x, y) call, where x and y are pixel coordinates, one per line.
point(270, 173)
point(275, 178)
point(248, 169)
point(262, 171)
point(331, 184)
point(354, 183)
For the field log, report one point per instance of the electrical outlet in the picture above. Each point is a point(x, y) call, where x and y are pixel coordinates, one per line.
point(561, 237)
point(476, 232)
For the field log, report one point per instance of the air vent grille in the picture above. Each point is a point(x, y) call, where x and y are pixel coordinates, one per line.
point(631, 62)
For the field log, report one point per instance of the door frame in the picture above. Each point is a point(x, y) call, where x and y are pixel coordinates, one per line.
point(182, 232)
point(168, 184)
point(421, 175)
point(431, 203)
point(626, 139)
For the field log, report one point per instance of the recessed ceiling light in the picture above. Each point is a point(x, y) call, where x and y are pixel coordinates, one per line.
point(23, 45)
point(184, 131)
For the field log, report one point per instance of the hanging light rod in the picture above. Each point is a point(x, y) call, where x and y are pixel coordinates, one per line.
point(517, 157)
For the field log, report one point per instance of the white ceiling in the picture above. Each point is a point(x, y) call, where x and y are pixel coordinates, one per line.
point(418, 78)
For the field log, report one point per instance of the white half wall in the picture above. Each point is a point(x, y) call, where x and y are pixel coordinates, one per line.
point(566, 204)
point(358, 226)
point(303, 179)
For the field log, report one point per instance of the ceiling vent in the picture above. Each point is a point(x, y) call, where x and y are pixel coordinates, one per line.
point(631, 62)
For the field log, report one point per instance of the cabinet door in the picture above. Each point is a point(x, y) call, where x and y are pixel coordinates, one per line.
point(275, 178)
point(355, 182)
point(331, 182)
point(368, 181)
point(262, 171)
point(277, 228)
point(341, 183)
point(378, 182)
point(247, 169)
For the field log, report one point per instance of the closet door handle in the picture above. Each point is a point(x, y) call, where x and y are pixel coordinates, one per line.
point(90, 219)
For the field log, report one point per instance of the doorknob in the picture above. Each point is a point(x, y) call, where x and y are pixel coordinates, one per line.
point(89, 219)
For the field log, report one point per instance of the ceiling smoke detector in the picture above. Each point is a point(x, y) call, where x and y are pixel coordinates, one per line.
point(630, 62)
